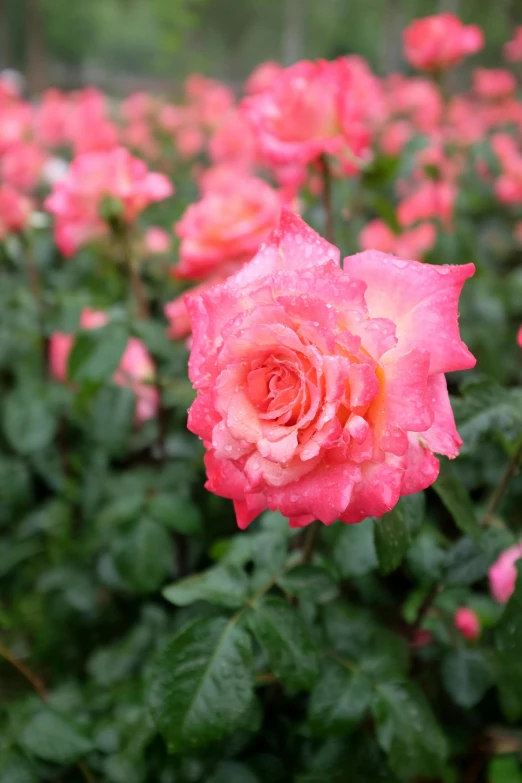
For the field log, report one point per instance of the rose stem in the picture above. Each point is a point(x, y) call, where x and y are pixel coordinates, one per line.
point(327, 200)
point(500, 490)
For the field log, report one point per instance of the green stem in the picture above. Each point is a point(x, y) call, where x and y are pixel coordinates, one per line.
point(327, 200)
point(501, 488)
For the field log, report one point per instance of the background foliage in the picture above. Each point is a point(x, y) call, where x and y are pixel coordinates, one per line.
point(143, 638)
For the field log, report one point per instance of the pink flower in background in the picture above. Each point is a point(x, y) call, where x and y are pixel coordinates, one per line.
point(77, 197)
point(415, 243)
point(52, 118)
point(493, 84)
point(21, 166)
point(311, 108)
point(177, 313)
point(234, 141)
point(89, 129)
point(442, 41)
point(15, 211)
point(15, 124)
point(394, 137)
point(136, 370)
point(503, 574)
point(263, 77)
point(519, 337)
point(157, 240)
point(468, 623)
point(226, 227)
point(513, 48)
point(430, 200)
point(321, 391)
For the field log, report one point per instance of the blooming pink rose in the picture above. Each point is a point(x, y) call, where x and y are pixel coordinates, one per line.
point(136, 370)
point(22, 165)
point(89, 129)
point(77, 197)
point(156, 240)
point(430, 200)
point(467, 622)
point(52, 118)
point(503, 574)
point(513, 48)
point(311, 108)
point(414, 243)
point(321, 390)
point(262, 77)
point(15, 210)
point(226, 227)
point(441, 41)
point(493, 84)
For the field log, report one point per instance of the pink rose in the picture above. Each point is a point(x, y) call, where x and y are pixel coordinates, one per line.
point(311, 108)
point(15, 210)
point(414, 243)
point(321, 391)
point(156, 240)
point(493, 84)
point(430, 200)
point(467, 622)
point(136, 370)
point(22, 166)
point(503, 574)
point(441, 41)
point(226, 227)
point(513, 48)
point(262, 77)
point(77, 197)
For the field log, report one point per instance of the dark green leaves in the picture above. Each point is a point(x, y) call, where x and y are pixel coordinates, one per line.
point(285, 639)
point(55, 737)
point(392, 539)
point(14, 768)
point(202, 684)
point(457, 501)
point(96, 353)
point(353, 548)
point(309, 583)
point(29, 420)
point(508, 642)
point(340, 699)
point(221, 585)
point(467, 675)
point(144, 556)
point(408, 732)
point(488, 408)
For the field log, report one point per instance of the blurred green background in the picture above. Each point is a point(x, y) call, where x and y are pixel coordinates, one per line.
point(122, 45)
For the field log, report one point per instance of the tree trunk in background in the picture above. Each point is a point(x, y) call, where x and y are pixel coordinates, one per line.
point(293, 31)
point(36, 54)
point(392, 37)
point(5, 50)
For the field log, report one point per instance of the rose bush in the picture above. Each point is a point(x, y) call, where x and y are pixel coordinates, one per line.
point(145, 638)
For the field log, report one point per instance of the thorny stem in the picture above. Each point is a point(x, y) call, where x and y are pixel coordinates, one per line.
point(38, 686)
point(500, 490)
point(327, 200)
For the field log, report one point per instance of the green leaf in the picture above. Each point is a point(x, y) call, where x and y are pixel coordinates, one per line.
point(354, 549)
point(339, 700)
point(414, 509)
point(508, 642)
point(55, 737)
point(504, 770)
point(176, 513)
point(232, 772)
point(466, 675)
point(112, 416)
point(14, 768)
point(392, 539)
point(222, 585)
point(29, 421)
point(144, 557)
point(426, 558)
point(408, 731)
point(96, 353)
point(202, 684)
point(286, 642)
point(465, 563)
point(309, 583)
point(485, 408)
point(456, 499)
